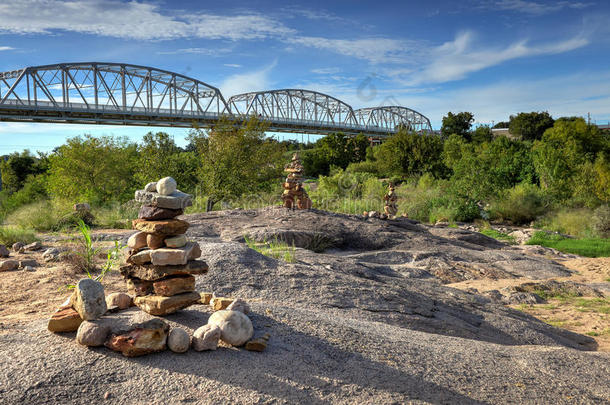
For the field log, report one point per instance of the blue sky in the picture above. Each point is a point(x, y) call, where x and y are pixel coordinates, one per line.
point(491, 57)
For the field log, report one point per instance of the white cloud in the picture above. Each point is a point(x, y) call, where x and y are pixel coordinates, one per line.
point(133, 20)
point(533, 7)
point(197, 51)
point(233, 65)
point(374, 50)
point(246, 82)
point(326, 71)
point(6, 48)
point(455, 59)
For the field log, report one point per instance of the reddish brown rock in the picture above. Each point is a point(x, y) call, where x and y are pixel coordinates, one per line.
point(120, 300)
point(153, 273)
point(163, 227)
point(64, 320)
point(148, 337)
point(151, 213)
point(158, 305)
point(139, 287)
point(155, 241)
point(174, 285)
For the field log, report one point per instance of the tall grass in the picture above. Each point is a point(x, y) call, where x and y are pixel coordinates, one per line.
point(575, 222)
point(589, 247)
point(44, 215)
point(116, 216)
point(12, 234)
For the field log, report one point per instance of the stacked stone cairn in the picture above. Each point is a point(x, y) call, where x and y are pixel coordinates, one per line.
point(390, 199)
point(295, 196)
point(161, 263)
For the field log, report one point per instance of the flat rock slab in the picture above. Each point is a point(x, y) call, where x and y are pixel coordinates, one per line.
point(167, 256)
point(152, 273)
point(174, 285)
point(152, 213)
point(158, 305)
point(176, 201)
point(163, 227)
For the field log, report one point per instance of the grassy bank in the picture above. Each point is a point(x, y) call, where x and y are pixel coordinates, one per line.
point(589, 247)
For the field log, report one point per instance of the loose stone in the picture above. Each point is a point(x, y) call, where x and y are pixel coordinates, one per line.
point(64, 320)
point(145, 338)
point(4, 252)
point(206, 297)
point(91, 333)
point(206, 338)
point(33, 247)
point(235, 327)
point(166, 186)
point(151, 187)
point(142, 257)
point(17, 246)
point(88, 299)
point(51, 254)
point(258, 345)
point(239, 305)
point(28, 262)
point(178, 340)
point(120, 300)
point(219, 303)
point(10, 264)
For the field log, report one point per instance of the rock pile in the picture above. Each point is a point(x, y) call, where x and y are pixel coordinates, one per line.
point(294, 195)
point(161, 263)
point(390, 199)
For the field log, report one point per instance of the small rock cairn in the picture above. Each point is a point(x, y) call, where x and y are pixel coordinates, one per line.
point(390, 199)
point(161, 263)
point(295, 196)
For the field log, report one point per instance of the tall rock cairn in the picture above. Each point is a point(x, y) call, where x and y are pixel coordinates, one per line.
point(161, 263)
point(294, 195)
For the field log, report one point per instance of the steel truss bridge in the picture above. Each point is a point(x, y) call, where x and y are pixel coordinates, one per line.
point(124, 94)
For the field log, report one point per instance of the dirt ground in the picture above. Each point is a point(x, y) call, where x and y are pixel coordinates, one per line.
point(26, 296)
point(585, 315)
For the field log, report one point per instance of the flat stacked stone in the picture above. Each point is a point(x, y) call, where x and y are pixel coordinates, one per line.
point(161, 263)
point(295, 196)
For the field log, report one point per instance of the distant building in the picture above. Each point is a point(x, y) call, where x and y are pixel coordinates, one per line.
point(502, 132)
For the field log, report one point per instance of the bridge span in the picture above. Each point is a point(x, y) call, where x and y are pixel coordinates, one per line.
point(125, 94)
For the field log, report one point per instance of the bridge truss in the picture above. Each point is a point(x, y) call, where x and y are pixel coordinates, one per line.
point(125, 94)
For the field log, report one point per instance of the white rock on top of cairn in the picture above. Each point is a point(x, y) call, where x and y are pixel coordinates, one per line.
point(166, 186)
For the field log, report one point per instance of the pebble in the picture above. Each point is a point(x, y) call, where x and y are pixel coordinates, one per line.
point(151, 187)
point(17, 246)
point(4, 252)
point(33, 246)
point(50, 255)
point(239, 305)
point(118, 299)
point(178, 340)
point(7, 265)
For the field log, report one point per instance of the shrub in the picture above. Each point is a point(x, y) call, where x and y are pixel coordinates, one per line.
point(116, 215)
point(520, 204)
point(45, 215)
point(366, 166)
point(601, 221)
point(12, 234)
point(575, 222)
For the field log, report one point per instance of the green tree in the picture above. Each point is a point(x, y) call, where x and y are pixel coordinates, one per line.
point(563, 152)
point(18, 167)
point(92, 169)
point(409, 153)
point(482, 134)
point(238, 160)
point(159, 156)
point(530, 126)
point(459, 124)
